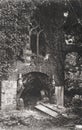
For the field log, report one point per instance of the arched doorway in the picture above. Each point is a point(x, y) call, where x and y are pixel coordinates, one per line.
point(34, 83)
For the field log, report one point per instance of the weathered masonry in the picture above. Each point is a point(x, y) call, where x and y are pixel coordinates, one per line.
point(46, 49)
point(42, 74)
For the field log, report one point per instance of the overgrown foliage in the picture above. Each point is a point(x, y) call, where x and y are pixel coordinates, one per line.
point(15, 18)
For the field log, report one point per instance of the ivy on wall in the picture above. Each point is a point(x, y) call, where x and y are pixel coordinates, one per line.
point(16, 17)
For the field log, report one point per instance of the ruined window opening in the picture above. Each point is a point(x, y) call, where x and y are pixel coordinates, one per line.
point(38, 44)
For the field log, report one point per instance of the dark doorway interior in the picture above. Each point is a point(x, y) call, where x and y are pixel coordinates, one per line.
point(34, 83)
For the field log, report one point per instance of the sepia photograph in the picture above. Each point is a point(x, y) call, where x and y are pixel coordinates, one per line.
point(40, 64)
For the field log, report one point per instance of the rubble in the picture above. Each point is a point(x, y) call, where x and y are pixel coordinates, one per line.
point(31, 119)
point(22, 117)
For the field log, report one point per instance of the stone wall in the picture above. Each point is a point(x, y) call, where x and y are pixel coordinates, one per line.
point(37, 65)
point(8, 94)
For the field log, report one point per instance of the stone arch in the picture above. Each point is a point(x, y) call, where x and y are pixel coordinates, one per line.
point(41, 69)
point(33, 83)
point(28, 77)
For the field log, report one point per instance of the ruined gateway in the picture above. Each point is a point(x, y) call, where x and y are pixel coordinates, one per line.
point(43, 48)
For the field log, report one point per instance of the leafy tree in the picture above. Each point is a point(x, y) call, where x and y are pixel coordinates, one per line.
point(15, 18)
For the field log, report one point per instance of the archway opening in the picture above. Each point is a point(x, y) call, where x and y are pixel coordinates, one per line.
point(37, 88)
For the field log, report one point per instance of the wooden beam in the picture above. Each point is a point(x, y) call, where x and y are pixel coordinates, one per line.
point(46, 110)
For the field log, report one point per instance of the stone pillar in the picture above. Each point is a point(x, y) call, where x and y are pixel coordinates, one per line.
point(59, 92)
point(8, 94)
point(0, 94)
point(20, 88)
point(53, 84)
point(19, 82)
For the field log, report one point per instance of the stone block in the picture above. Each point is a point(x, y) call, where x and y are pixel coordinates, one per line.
point(8, 94)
